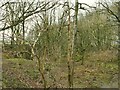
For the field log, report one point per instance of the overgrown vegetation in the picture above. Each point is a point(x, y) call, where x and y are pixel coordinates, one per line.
point(53, 44)
point(100, 70)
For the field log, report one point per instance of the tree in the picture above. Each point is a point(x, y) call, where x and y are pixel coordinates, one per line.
point(29, 12)
point(119, 40)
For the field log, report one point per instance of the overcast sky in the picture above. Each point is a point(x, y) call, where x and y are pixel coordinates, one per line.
point(82, 1)
point(91, 2)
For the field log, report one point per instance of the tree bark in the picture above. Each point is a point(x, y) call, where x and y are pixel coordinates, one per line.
point(23, 23)
point(119, 43)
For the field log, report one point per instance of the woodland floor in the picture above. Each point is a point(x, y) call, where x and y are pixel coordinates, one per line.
point(100, 70)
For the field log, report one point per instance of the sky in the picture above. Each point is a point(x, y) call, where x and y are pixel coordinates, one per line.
point(89, 2)
point(82, 1)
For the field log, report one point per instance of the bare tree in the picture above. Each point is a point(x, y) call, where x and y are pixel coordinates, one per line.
point(28, 12)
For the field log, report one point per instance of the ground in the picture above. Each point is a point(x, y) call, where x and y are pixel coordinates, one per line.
point(100, 70)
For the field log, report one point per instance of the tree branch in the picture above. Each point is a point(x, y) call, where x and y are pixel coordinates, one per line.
point(29, 14)
point(110, 11)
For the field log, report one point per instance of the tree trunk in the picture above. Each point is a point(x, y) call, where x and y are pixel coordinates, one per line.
point(23, 23)
point(69, 57)
point(119, 43)
point(3, 38)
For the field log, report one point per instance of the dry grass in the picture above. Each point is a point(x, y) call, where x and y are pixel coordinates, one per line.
point(100, 70)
